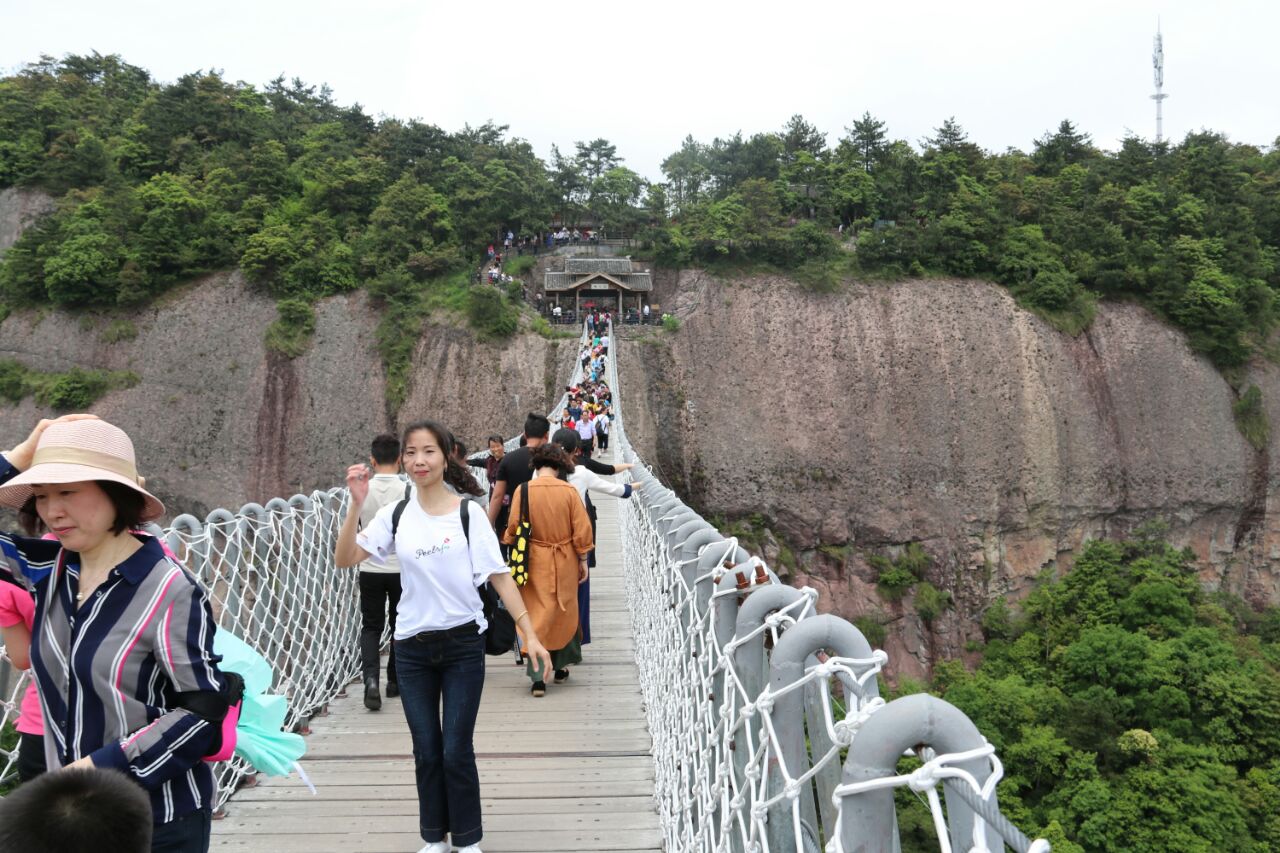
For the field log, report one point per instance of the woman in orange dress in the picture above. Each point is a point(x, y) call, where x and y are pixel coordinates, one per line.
point(559, 543)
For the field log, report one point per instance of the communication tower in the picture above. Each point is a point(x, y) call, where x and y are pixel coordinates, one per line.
point(1157, 60)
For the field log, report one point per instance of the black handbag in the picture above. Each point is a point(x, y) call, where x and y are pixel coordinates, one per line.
point(500, 636)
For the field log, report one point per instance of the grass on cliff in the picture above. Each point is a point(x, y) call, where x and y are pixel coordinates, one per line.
point(492, 313)
point(73, 390)
point(290, 333)
point(519, 266)
point(1251, 418)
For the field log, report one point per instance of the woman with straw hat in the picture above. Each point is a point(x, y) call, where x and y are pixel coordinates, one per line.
point(123, 644)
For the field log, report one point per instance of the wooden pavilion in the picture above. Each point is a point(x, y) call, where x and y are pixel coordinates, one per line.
point(607, 282)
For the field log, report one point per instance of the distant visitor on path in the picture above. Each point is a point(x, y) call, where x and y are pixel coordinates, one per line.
point(440, 646)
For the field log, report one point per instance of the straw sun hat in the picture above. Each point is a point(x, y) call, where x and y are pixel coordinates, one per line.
point(72, 451)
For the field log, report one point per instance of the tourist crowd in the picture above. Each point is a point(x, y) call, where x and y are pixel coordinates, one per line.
point(129, 705)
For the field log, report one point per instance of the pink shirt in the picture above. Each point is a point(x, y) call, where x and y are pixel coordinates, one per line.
point(17, 607)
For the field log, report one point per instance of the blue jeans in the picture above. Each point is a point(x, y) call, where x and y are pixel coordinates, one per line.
point(444, 669)
point(188, 834)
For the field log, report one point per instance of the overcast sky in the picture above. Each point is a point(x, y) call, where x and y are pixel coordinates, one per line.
point(645, 74)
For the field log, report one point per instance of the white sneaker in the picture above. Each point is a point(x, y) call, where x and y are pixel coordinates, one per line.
point(437, 847)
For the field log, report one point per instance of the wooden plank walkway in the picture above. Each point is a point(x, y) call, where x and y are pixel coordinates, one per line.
point(568, 772)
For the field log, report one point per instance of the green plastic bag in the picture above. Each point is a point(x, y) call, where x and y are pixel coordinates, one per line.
point(260, 738)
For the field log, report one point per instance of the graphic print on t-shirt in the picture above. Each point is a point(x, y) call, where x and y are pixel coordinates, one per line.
point(441, 548)
point(438, 574)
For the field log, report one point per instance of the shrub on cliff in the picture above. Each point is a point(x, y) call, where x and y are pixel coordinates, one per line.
point(74, 390)
point(1251, 418)
point(490, 313)
point(290, 333)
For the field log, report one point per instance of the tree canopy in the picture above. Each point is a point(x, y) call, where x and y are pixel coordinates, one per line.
point(1132, 710)
point(158, 182)
point(1192, 229)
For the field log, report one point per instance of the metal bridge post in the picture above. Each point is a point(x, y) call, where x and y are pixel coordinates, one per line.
point(868, 819)
point(788, 664)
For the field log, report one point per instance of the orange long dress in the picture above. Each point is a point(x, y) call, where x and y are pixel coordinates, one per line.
point(561, 535)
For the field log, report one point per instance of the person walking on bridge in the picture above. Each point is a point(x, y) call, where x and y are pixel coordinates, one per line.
point(123, 649)
point(513, 469)
point(440, 627)
point(380, 580)
point(588, 476)
point(559, 543)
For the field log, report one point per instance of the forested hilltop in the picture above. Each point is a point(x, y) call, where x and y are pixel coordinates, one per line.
point(160, 182)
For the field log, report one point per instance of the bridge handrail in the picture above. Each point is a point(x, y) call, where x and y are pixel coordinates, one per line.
point(272, 582)
point(747, 742)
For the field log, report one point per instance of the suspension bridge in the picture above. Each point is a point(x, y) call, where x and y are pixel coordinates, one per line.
point(716, 710)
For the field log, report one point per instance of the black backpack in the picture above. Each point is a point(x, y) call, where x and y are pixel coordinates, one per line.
point(500, 636)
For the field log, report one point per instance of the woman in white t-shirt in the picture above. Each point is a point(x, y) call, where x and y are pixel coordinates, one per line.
point(440, 623)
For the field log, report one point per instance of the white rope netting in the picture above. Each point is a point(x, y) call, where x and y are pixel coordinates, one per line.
point(745, 760)
point(272, 582)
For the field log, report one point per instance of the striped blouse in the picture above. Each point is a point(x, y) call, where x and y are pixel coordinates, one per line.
point(109, 670)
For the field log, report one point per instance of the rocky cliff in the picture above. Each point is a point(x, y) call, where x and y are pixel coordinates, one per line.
point(218, 420)
point(19, 208)
point(851, 424)
point(939, 412)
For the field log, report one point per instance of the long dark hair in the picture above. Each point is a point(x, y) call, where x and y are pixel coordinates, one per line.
point(455, 474)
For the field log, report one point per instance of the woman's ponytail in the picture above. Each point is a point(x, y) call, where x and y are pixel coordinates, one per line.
point(462, 480)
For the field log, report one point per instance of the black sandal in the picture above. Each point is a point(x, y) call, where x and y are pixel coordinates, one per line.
point(562, 675)
point(538, 689)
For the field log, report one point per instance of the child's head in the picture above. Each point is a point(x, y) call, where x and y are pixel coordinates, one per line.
point(74, 811)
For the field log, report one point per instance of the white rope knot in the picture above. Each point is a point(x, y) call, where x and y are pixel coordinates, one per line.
point(792, 789)
point(924, 778)
point(759, 811)
point(765, 702)
point(847, 729)
point(825, 669)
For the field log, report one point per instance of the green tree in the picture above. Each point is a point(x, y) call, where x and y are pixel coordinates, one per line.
point(865, 139)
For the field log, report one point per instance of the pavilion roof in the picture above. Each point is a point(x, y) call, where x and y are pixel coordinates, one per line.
point(559, 282)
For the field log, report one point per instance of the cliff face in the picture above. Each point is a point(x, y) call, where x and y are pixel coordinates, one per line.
point(218, 420)
point(939, 412)
point(935, 412)
point(19, 208)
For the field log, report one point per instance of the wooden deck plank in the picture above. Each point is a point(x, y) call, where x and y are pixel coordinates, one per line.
point(569, 772)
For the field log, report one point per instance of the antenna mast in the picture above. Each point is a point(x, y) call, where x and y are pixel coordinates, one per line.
point(1157, 60)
